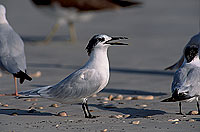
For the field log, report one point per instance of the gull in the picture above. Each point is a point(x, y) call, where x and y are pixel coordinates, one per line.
point(186, 83)
point(70, 11)
point(194, 40)
point(86, 81)
point(12, 57)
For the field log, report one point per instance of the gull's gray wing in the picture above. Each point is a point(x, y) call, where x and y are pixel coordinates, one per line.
point(187, 80)
point(12, 57)
point(80, 84)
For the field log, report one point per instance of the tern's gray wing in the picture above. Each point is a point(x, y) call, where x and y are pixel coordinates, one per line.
point(12, 57)
point(80, 84)
point(187, 80)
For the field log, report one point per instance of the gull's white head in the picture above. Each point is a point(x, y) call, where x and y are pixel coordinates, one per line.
point(2, 14)
point(102, 41)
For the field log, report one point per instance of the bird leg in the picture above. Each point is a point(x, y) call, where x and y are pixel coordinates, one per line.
point(180, 110)
point(16, 91)
point(72, 32)
point(52, 33)
point(86, 110)
point(198, 108)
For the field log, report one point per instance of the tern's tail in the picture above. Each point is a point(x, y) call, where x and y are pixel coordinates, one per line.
point(176, 65)
point(177, 97)
point(33, 93)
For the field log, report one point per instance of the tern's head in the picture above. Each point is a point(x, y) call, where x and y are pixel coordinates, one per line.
point(191, 51)
point(2, 14)
point(103, 41)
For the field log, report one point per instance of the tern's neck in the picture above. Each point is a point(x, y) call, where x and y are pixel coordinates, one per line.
point(3, 19)
point(196, 61)
point(99, 58)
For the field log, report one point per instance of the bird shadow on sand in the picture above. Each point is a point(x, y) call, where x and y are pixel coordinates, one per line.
point(117, 70)
point(133, 112)
point(24, 112)
point(42, 38)
point(132, 92)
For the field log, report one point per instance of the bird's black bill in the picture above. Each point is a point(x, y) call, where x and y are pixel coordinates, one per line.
point(116, 43)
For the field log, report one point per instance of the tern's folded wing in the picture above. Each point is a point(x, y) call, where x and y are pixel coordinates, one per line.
point(79, 84)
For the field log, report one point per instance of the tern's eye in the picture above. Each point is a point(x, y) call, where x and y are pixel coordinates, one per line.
point(101, 39)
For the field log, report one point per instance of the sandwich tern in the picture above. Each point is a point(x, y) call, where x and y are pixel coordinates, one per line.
point(86, 81)
point(186, 83)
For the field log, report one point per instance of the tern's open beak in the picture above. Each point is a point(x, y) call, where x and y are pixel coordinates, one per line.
point(116, 42)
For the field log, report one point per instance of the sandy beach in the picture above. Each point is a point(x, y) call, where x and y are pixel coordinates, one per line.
point(158, 30)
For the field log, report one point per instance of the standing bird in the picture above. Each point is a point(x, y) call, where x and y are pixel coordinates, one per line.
point(85, 82)
point(12, 57)
point(194, 40)
point(186, 83)
point(69, 11)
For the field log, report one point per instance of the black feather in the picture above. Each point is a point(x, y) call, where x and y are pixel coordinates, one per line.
point(177, 97)
point(22, 76)
point(190, 52)
point(93, 42)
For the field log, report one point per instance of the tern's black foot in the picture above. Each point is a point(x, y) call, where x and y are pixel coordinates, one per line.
point(180, 113)
point(91, 117)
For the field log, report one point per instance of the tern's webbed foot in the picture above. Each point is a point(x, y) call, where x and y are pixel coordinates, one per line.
point(91, 116)
point(180, 113)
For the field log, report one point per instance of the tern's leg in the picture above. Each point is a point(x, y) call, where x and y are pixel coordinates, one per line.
point(198, 108)
point(72, 32)
point(180, 109)
point(86, 110)
point(52, 33)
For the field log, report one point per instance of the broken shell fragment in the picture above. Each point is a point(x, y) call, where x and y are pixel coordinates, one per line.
point(5, 105)
point(126, 116)
point(37, 74)
point(128, 98)
point(191, 120)
point(110, 97)
point(105, 130)
point(193, 113)
point(62, 113)
point(150, 97)
point(14, 114)
point(105, 98)
point(173, 120)
point(39, 107)
point(54, 105)
point(135, 122)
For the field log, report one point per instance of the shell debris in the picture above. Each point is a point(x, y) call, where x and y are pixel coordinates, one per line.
point(37, 74)
point(193, 112)
point(54, 105)
point(135, 122)
point(128, 98)
point(105, 130)
point(4, 105)
point(110, 97)
point(63, 113)
point(150, 97)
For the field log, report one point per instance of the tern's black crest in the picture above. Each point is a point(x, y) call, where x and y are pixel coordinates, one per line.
point(93, 42)
point(22, 76)
point(190, 52)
